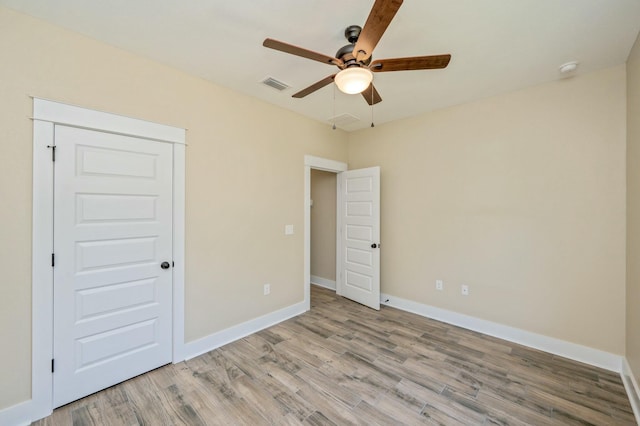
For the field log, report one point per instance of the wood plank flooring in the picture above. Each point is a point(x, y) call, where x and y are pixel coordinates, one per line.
point(342, 363)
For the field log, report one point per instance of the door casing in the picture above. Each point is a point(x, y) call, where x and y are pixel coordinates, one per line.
point(324, 164)
point(318, 163)
point(46, 114)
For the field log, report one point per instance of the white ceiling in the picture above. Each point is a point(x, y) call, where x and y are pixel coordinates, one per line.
point(496, 45)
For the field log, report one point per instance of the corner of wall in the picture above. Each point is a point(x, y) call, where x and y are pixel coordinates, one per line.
point(631, 386)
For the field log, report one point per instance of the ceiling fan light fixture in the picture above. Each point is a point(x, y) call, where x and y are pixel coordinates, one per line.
point(353, 80)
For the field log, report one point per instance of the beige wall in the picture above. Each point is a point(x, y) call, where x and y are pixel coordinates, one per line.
point(323, 224)
point(244, 183)
point(521, 197)
point(633, 210)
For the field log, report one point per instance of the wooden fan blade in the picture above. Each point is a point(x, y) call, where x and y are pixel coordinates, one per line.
point(315, 86)
point(409, 64)
point(371, 95)
point(299, 51)
point(379, 19)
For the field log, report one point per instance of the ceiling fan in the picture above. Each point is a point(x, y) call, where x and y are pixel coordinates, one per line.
point(355, 60)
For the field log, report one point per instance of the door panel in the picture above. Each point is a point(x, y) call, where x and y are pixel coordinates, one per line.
point(359, 278)
point(112, 226)
point(109, 208)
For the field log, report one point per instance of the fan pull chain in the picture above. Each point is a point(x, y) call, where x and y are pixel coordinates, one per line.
point(372, 125)
point(334, 106)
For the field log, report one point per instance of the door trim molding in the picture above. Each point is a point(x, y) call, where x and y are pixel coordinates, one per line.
point(317, 163)
point(75, 116)
point(46, 114)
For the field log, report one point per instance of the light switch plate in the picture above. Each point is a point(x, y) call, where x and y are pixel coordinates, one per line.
point(288, 230)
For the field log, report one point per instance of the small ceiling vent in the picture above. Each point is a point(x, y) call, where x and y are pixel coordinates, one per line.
point(343, 119)
point(272, 82)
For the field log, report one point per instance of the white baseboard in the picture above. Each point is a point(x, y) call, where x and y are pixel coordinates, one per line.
point(587, 355)
point(21, 414)
point(631, 386)
point(323, 282)
point(16, 415)
point(221, 338)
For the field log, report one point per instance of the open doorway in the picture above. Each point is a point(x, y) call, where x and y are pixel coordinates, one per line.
point(312, 163)
point(358, 238)
point(323, 229)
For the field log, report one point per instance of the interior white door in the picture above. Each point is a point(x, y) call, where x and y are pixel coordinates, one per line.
point(113, 231)
point(359, 198)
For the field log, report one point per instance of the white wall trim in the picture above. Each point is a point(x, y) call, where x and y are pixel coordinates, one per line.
point(323, 282)
point(231, 334)
point(339, 242)
point(17, 415)
point(179, 258)
point(631, 386)
point(42, 273)
point(324, 164)
point(318, 163)
point(71, 115)
point(47, 114)
point(587, 355)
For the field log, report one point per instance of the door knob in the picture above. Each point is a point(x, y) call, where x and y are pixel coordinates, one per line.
point(165, 265)
point(374, 245)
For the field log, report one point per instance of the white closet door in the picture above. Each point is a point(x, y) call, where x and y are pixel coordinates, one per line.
point(113, 232)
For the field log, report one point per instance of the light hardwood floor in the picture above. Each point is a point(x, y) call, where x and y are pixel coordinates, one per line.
point(342, 363)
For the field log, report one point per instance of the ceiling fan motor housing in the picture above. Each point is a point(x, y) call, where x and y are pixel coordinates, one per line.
point(345, 53)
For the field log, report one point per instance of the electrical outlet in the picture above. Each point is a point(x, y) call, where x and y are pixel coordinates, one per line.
point(267, 289)
point(439, 285)
point(465, 290)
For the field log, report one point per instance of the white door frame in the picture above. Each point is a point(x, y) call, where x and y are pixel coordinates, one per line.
point(318, 163)
point(46, 114)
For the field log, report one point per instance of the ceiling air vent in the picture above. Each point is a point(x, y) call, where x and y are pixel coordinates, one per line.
point(272, 82)
point(343, 119)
